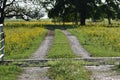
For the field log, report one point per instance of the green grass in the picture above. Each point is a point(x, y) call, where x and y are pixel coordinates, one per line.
point(60, 47)
point(101, 52)
point(68, 70)
point(99, 41)
point(26, 53)
point(9, 72)
point(116, 68)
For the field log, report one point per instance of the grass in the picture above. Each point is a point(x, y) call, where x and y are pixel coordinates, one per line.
point(68, 70)
point(99, 41)
point(116, 68)
point(60, 47)
point(9, 72)
point(22, 39)
point(29, 51)
point(20, 42)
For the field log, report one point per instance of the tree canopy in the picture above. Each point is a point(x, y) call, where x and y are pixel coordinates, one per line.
point(65, 10)
point(26, 9)
point(83, 9)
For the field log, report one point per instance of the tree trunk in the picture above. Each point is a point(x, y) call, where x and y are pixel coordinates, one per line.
point(76, 18)
point(82, 18)
point(2, 18)
point(83, 13)
point(109, 20)
point(63, 20)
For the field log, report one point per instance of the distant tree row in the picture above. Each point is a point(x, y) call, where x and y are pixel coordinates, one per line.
point(75, 10)
point(65, 10)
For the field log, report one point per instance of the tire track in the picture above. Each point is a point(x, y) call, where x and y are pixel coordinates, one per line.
point(44, 47)
point(38, 73)
point(101, 72)
point(76, 46)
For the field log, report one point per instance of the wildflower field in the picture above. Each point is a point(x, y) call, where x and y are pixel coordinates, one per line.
point(21, 37)
point(99, 41)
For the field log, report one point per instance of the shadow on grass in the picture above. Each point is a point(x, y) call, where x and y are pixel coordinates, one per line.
point(62, 27)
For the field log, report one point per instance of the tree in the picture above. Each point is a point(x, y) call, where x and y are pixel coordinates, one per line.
point(109, 8)
point(9, 8)
point(83, 7)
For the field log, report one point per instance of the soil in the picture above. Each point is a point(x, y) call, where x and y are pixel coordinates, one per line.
point(42, 51)
point(38, 73)
point(103, 72)
point(34, 73)
point(76, 46)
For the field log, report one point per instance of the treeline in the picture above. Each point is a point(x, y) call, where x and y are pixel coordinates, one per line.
point(80, 10)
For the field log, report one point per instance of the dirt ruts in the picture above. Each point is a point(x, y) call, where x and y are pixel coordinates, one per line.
point(34, 73)
point(38, 73)
point(101, 72)
point(75, 45)
point(41, 52)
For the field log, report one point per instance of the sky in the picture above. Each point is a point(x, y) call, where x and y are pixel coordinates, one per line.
point(103, 0)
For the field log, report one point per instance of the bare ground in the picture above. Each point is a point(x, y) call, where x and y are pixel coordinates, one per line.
point(76, 46)
point(34, 73)
point(103, 72)
point(38, 73)
point(41, 52)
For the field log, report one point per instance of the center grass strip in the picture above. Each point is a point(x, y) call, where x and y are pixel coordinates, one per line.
point(61, 47)
point(68, 70)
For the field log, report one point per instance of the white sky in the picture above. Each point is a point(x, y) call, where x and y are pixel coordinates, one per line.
point(103, 0)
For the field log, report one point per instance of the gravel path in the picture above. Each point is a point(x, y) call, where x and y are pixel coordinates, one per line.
point(44, 47)
point(34, 73)
point(76, 46)
point(38, 73)
point(103, 72)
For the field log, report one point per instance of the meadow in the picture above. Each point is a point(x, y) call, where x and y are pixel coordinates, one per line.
point(100, 41)
point(21, 38)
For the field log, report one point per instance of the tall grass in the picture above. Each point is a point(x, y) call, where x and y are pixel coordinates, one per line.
point(21, 38)
point(99, 41)
point(20, 42)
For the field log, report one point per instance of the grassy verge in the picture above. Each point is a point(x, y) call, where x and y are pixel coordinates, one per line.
point(68, 70)
point(20, 42)
point(99, 41)
point(9, 72)
point(23, 40)
point(27, 52)
point(60, 47)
